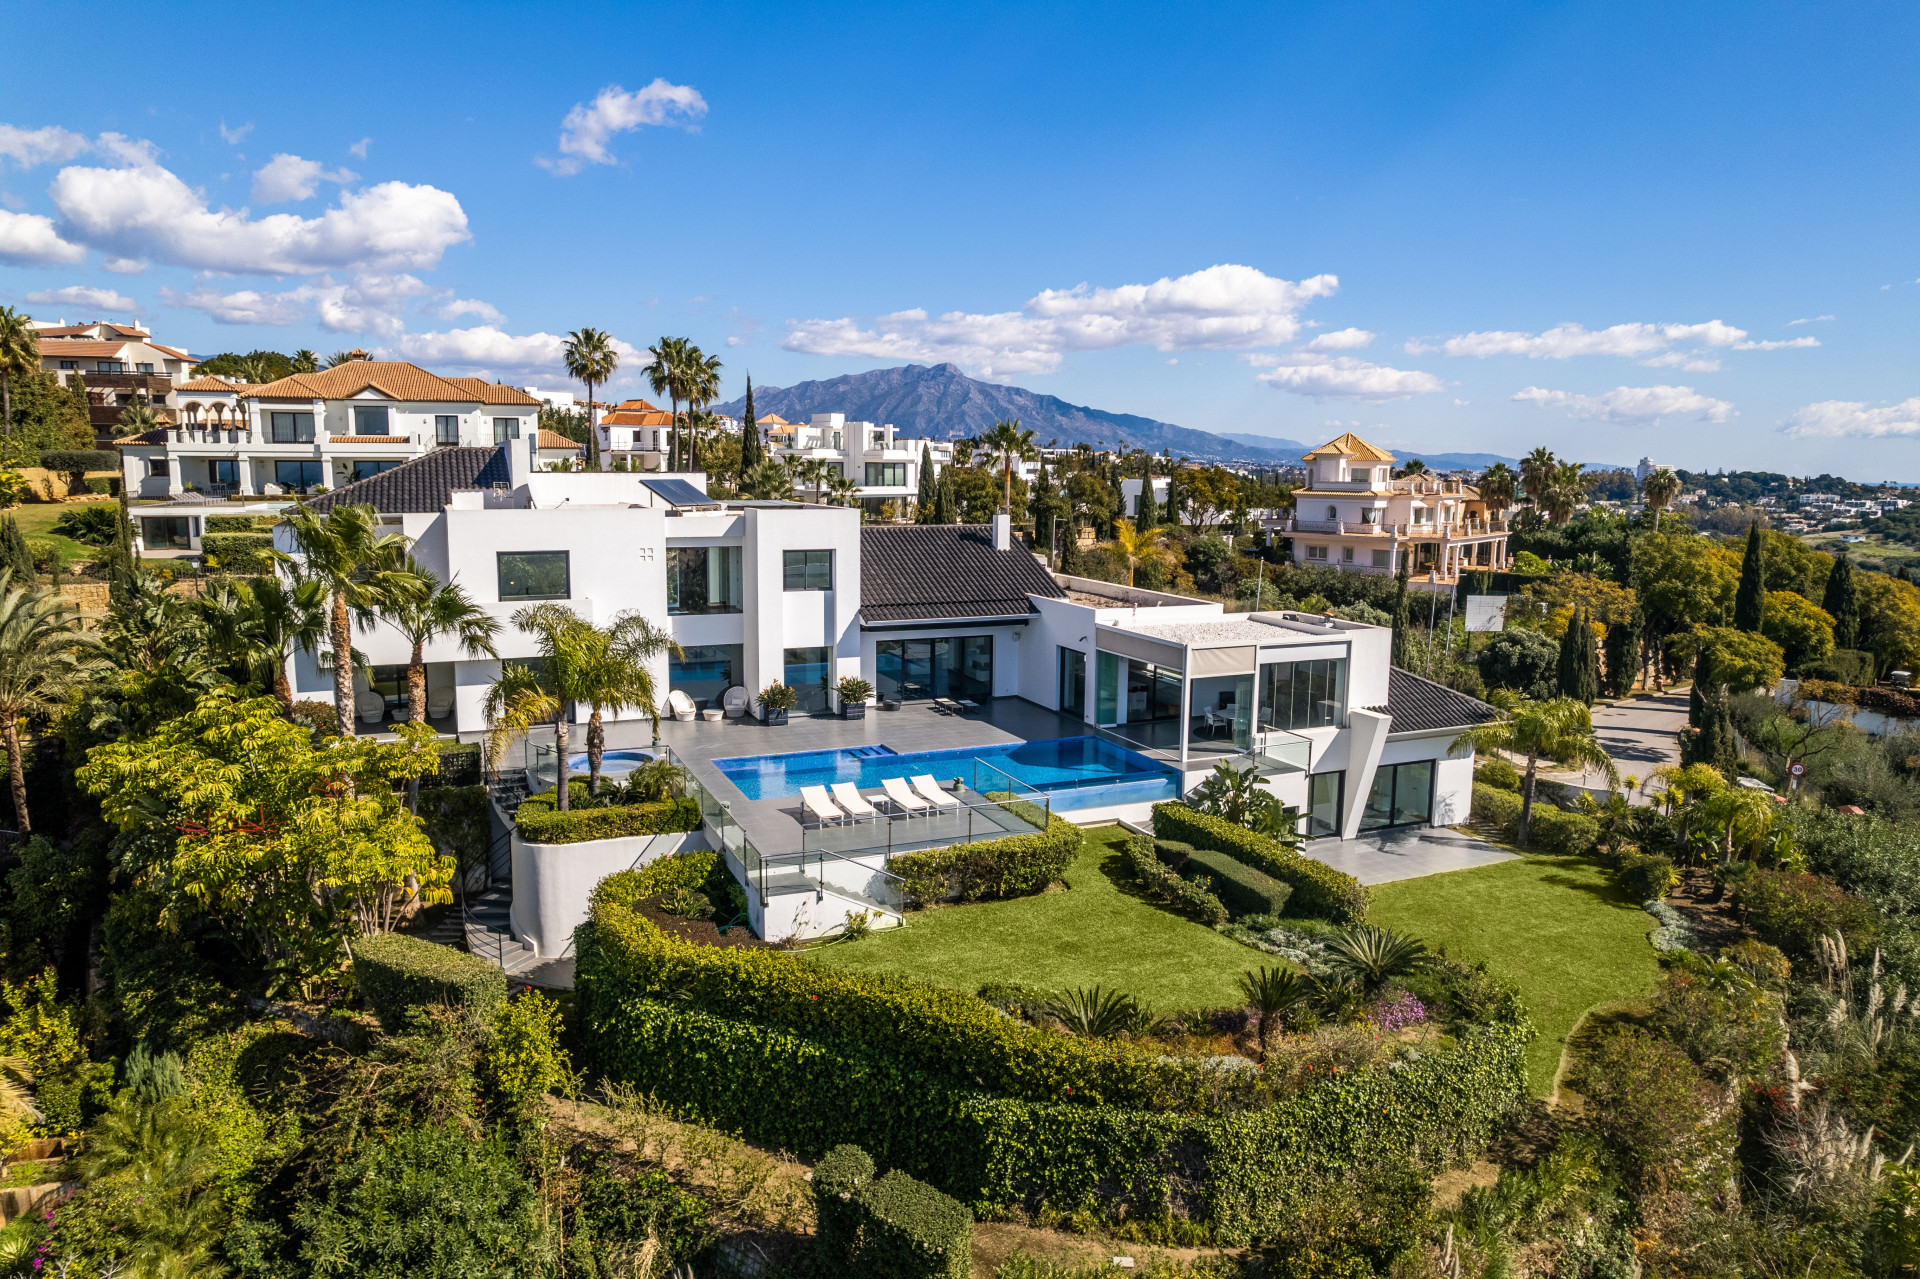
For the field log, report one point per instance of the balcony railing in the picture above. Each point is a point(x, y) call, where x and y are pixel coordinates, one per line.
point(1422, 531)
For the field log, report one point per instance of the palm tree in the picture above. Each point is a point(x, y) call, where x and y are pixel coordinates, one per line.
point(617, 673)
point(1566, 489)
point(1372, 955)
point(346, 552)
point(667, 376)
point(1009, 443)
point(700, 386)
point(1134, 543)
point(841, 491)
point(44, 656)
point(305, 361)
point(522, 698)
point(423, 610)
point(1559, 729)
point(1497, 486)
point(816, 473)
point(1658, 491)
point(257, 625)
point(255, 368)
point(1096, 1013)
point(591, 358)
point(1536, 473)
point(19, 355)
point(138, 418)
point(1413, 467)
point(1272, 992)
point(768, 481)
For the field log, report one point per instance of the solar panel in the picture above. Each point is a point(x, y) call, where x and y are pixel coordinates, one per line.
point(679, 493)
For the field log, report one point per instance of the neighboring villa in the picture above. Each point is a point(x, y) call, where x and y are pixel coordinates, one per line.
point(120, 364)
point(1353, 515)
point(317, 431)
point(636, 433)
point(884, 466)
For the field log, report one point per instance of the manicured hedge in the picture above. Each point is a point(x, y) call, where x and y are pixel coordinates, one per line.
point(1016, 866)
point(459, 765)
point(540, 822)
point(1318, 889)
point(1552, 830)
point(836, 1179)
point(79, 461)
point(679, 873)
point(232, 524)
point(909, 1230)
point(240, 552)
point(1243, 889)
point(1161, 881)
point(397, 974)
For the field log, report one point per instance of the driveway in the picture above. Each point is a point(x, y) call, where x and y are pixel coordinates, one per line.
point(1387, 855)
point(1639, 735)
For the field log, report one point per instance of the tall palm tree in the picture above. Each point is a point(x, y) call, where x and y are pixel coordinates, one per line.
point(700, 387)
point(1006, 440)
point(617, 673)
point(1559, 729)
point(19, 355)
point(138, 418)
point(423, 610)
point(523, 698)
point(591, 358)
point(1658, 491)
point(1134, 543)
point(44, 656)
point(345, 551)
point(305, 361)
point(1566, 489)
point(1497, 486)
point(1536, 473)
point(255, 368)
point(258, 624)
point(1413, 467)
point(667, 376)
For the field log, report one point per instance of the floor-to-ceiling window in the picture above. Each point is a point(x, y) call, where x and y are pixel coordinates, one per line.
point(1402, 795)
point(1153, 692)
point(705, 672)
point(1106, 691)
point(809, 673)
point(1073, 682)
point(1324, 794)
point(958, 666)
point(704, 579)
point(1303, 694)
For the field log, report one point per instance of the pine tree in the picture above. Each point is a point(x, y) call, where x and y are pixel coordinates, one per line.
point(1402, 616)
point(751, 448)
point(924, 498)
point(1842, 602)
point(1750, 603)
point(15, 554)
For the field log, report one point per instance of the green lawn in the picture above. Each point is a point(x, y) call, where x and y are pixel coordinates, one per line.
point(1092, 933)
point(1555, 927)
point(36, 520)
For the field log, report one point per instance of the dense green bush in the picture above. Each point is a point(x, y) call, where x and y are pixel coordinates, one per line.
point(540, 822)
point(1646, 877)
point(678, 873)
point(79, 461)
point(1552, 830)
point(1850, 666)
point(459, 821)
point(1016, 866)
point(459, 765)
point(837, 1178)
point(1242, 889)
point(909, 1230)
point(1795, 910)
point(232, 524)
point(1162, 882)
point(397, 974)
point(1496, 807)
point(1318, 889)
point(105, 485)
point(240, 552)
point(1497, 773)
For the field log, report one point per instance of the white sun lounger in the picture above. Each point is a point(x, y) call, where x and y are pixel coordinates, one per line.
point(848, 796)
point(929, 790)
point(902, 798)
point(813, 799)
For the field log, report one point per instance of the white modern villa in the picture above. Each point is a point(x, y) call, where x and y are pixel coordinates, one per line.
point(884, 464)
point(1354, 516)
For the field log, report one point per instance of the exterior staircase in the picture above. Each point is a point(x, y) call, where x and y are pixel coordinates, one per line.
point(488, 934)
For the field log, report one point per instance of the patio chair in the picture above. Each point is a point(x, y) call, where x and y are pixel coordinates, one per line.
point(736, 701)
point(370, 706)
point(902, 798)
point(848, 796)
point(929, 790)
point(679, 705)
point(814, 802)
point(440, 703)
point(1216, 720)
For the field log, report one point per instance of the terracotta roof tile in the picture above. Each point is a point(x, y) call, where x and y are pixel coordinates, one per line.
point(66, 347)
point(395, 379)
point(208, 383)
point(494, 393)
point(555, 440)
point(1350, 445)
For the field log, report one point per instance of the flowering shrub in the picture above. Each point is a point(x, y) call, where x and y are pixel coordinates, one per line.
point(1395, 1012)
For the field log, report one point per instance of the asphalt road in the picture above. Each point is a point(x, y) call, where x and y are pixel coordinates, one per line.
point(1640, 735)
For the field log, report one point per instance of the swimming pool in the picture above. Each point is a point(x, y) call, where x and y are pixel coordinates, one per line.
point(612, 763)
point(1079, 772)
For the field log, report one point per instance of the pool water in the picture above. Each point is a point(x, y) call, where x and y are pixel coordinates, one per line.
point(612, 763)
point(1080, 772)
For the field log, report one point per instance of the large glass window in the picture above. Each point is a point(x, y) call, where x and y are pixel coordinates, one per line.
point(1402, 795)
point(959, 667)
point(290, 428)
point(704, 579)
point(809, 672)
point(223, 472)
point(1153, 692)
point(297, 475)
point(809, 570)
point(505, 428)
point(1106, 692)
point(534, 575)
point(705, 672)
point(1325, 791)
point(370, 420)
point(1073, 682)
point(446, 429)
point(894, 473)
point(365, 470)
point(164, 532)
point(1303, 694)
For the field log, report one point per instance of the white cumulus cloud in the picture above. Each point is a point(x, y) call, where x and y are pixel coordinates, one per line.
point(288, 177)
point(1632, 405)
point(28, 147)
point(1223, 307)
point(244, 306)
point(366, 303)
point(1852, 417)
point(1343, 377)
point(1653, 344)
point(588, 128)
point(486, 347)
point(82, 295)
point(233, 136)
point(471, 306)
point(1341, 340)
point(29, 239)
point(144, 211)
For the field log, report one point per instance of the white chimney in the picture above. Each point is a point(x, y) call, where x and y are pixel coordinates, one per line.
point(1002, 531)
point(518, 463)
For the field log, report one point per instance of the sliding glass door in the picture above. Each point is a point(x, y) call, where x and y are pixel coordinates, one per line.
point(959, 666)
point(1402, 795)
point(1073, 682)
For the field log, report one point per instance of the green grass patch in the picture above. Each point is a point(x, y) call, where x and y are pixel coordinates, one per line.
point(1096, 932)
point(1553, 926)
point(36, 520)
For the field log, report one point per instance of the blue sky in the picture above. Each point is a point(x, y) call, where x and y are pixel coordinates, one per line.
point(1615, 230)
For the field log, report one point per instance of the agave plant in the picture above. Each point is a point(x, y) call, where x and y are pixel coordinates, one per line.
point(1372, 956)
point(1097, 1013)
point(1272, 992)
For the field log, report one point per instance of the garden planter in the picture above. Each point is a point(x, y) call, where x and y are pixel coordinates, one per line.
point(853, 710)
point(773, 719)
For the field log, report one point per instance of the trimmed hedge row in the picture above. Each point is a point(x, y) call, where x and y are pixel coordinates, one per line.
point(1552, 830)
point(1162, 882)
point(1896, 703)
point(539, 822)
point(1244, 889)
point(1318, 889)
point(680, 873)
point(240, 552)
point(233, 524)
point(897, 1226)
point(397, 973)
point(1016, 866)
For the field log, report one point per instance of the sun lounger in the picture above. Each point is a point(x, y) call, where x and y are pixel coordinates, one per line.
point(902, 798)
point(929, 790)
point(814, 801)
point(848, 796)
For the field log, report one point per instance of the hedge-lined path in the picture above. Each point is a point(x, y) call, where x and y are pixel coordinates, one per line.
point(1097, 931)
point(1386, 856)
point(1556, 927)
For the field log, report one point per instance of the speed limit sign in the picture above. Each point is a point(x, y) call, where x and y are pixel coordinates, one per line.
point(1797, 769)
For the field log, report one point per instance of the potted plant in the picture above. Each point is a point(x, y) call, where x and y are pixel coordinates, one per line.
point(775, 701)
point(853, 693)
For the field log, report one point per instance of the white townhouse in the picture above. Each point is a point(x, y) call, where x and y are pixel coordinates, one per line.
point(885, 465)
point(318, 431)
point(756, 592)
point(636, 433)
point(120, 364)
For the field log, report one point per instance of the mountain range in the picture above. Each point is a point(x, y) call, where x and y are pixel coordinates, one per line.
point(940, 402)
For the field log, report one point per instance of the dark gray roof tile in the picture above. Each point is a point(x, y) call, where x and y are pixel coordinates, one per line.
point(926, 572)
point(1418, 705)
point(424, 485)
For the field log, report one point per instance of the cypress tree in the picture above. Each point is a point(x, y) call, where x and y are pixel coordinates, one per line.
point(1750, 604)
point(1567, 671)
point(751, 447)
point(1402, 616)
point(943, 502)
point(1589, 661)
point(1619, 675)
point(15, 554)
point(1842, 601)
point(1173, 499)
point(923, 498)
